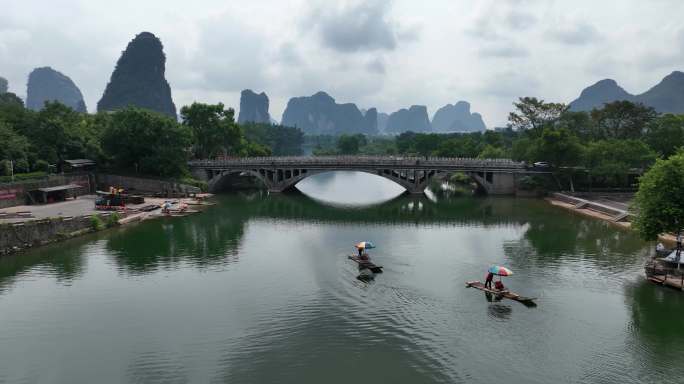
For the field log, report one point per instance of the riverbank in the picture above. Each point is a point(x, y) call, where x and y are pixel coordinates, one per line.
point(29, 226)
point(613, 209)
point(589, 206)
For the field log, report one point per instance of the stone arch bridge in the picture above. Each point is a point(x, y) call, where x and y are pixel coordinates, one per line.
point(278, 174)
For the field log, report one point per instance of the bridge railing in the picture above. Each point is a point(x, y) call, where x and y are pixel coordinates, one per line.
point(357, 160)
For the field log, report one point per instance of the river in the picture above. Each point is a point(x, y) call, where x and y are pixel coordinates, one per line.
point(258, 289)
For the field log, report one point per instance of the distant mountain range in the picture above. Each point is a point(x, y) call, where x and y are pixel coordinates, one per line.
point(139, 80)
point(320, 114)
point(457, 118)
point(666, 96)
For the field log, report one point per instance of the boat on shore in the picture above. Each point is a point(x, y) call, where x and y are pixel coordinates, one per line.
point(528, 301)
point(367, 264)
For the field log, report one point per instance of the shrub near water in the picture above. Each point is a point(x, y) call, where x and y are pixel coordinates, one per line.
point(96, 223)
point(113, 219)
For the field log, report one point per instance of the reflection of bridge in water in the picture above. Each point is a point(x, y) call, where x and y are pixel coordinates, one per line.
point(278, 174)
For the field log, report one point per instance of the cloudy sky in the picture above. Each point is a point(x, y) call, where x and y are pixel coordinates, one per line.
point(385, 54)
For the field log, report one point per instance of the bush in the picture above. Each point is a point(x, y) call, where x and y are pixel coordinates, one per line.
point(23, 177)
point(41, 166)
point(96, 223)
point(113, 219)
point(531, 183)
point(202, 185)
point(460, 177)
point(21, 166)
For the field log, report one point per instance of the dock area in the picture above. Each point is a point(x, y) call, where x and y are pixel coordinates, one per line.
point(661, 272)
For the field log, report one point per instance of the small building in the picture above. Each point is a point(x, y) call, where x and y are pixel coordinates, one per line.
point(53, 194)
point(78, 165)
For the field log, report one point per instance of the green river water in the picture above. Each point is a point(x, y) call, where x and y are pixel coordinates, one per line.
point(258, 289)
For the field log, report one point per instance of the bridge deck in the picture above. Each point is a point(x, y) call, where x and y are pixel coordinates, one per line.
point(350, 162)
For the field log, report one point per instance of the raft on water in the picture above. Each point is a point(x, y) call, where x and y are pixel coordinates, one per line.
point(529, 301)
point(366, 264)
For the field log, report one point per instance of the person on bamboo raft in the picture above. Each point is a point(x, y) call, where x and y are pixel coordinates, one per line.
point(488, 280)
point(499, 286)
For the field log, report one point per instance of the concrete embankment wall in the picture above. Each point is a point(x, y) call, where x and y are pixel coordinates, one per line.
point(17, 236)
point(578, 203)
point(13, 194)
point(145, 186)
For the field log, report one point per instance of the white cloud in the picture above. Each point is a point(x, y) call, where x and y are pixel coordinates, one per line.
point(385, 54)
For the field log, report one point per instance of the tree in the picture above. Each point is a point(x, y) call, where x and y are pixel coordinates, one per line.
point(613, 160)
point(579, 123)
point(56, 135)
point(622, 120)
point(14, 146)
point(659, 203)
point(12, 111)
point(253, 149)
point(559, 147)
point(458, 145)
point(9, 98)
point(523, 149)
point(665, 134)
point(283, 141)
point(492, 152)
point(148, 142)
point(214, 129)
point(532, 114)
point(350, 144)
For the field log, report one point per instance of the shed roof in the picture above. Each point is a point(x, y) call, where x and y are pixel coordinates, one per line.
point(58, 188)
point(79, 162)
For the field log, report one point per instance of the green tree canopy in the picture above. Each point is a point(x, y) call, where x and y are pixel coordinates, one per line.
point(148, 142)
point(14, 146)
point(615, 159)
point(350, 144)
point(559, 147)
point(659, 203)
point(214, 129)
point(533, 114)
point(283, 141)
point(621, 120)
point(579, 123)
point(58, 134)
point(492, 152)
point(666, 134)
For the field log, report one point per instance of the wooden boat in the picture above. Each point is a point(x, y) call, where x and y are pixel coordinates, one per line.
point(366, 264)
point(529, 301)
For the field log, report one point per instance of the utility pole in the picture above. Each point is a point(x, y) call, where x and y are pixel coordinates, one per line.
point(12, 170)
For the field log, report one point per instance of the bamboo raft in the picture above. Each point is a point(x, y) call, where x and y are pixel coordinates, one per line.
point(528, 301)
point(670, 281)
point(366, 264)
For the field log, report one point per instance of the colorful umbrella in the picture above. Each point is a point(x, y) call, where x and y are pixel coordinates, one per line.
point(365, 245)
point(499, 270)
